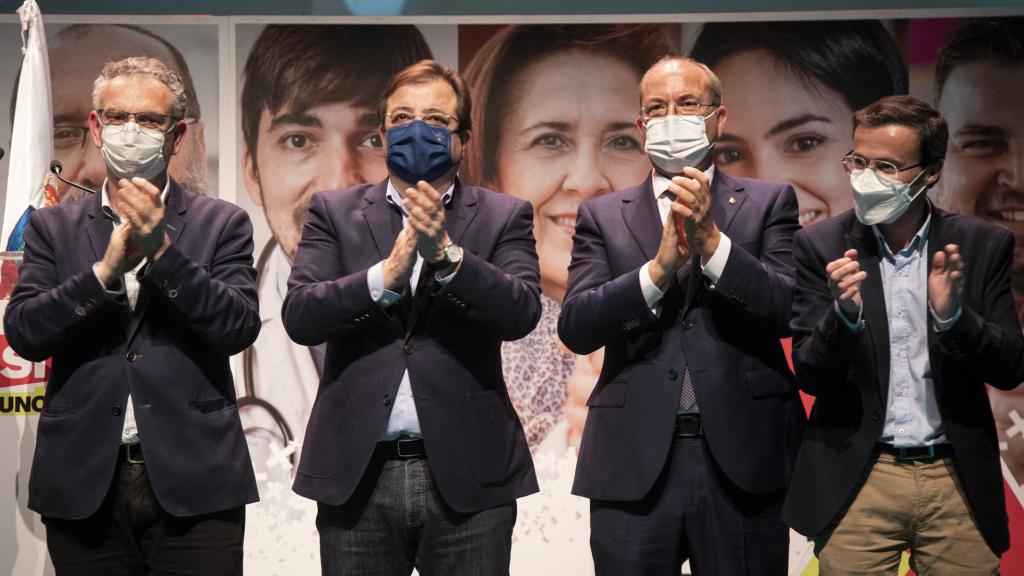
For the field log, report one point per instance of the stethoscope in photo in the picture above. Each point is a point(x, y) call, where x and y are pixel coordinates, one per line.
point(251, 401)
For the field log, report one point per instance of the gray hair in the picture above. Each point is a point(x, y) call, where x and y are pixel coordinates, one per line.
point(142, 66)
point(714, 84)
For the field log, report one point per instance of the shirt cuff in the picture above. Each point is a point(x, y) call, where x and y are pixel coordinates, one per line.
point(115, 295)
point(443, 281)
point(652, 295)
point(854, 327)
point(716, 264)
point(375, 283)
point(943, 325)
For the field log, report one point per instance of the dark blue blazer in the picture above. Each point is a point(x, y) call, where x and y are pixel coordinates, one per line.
point(197, 306)
point(729, 334)
point(849, 373)
point(449, 339)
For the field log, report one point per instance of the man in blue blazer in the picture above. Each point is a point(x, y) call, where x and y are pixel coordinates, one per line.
point(413, 449)
point(686, 280)
point(139, 293)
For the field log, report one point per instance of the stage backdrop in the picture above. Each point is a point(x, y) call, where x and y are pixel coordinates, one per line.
point(288, 106)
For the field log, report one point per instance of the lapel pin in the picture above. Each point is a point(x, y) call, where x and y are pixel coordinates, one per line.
point(732, 199)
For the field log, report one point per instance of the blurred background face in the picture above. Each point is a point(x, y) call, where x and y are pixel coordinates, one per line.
point(785, 127)
point(327, 147)
point(74, 65)
point(571, 134)
point(984, 169)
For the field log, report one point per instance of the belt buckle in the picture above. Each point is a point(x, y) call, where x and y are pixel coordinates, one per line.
point(398, 447)
point(128, 450)
point(906, 454)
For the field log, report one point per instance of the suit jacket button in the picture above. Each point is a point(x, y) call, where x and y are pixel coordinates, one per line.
point(408, 349)
point(672, 374)
point(172, 293)
point(876, 415)
point(387, 399)
point(133, 356)
point(116, 410)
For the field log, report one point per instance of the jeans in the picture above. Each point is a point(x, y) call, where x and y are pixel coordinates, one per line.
point(396, 520)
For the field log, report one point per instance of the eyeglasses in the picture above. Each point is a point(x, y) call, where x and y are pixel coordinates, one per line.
point(436, 119)
point(150, 120)
point(855, 164)
point(686, 108)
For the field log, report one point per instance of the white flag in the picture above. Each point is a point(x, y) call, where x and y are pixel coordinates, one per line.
point(29, 184)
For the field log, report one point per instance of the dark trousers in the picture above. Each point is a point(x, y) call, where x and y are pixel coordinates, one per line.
point(131, 535)
point(693, 512)
point(396, 520)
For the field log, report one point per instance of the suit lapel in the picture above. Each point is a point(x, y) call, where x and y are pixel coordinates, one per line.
point(873, 300)
point(938, 236)
point(100, 227)
point(381, 218)
point(727, 196)
point(174, 224)
point(640, 212)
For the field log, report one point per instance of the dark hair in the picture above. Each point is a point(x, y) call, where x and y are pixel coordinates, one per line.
point(996, 40)
point(177, 63)
point(426, 71)
point(857, 59)
point(908, 111)
point(301, 66)
point(497, 65)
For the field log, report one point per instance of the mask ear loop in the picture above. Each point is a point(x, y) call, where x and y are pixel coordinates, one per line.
point(923, 188)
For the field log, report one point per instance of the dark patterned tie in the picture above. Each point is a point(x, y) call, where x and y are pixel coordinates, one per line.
point(687, 397)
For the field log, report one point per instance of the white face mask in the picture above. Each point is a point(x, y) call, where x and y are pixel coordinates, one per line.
point(133, 151)
point(675, 142)
point(880, 200)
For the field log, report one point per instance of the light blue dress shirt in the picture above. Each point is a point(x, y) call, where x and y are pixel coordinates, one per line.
point(403, 419)
point(912, 415)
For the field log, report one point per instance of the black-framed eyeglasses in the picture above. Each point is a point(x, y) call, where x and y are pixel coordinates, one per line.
point(686, 108)
point(149, 120)
point(855, 163)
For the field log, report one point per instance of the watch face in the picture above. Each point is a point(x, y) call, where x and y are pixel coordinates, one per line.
point(453, 252)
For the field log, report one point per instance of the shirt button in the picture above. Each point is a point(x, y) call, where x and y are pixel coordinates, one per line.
point(876, 415)
point(133, 356)
point(116, 410)
point(900, 430)
point(408, 349)
point(387, 399)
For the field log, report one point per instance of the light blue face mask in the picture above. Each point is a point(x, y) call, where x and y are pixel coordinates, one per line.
point(131, 151)
point(881, 200)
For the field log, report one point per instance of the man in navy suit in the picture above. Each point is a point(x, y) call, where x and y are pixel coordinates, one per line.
point(902, 313)
point(139, 294)
point(687, 281)
point(413, 450)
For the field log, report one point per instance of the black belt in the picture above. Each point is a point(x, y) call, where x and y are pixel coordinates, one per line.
point(400, 449)
point(916, 452)
point(688, 426)
point(131, 454)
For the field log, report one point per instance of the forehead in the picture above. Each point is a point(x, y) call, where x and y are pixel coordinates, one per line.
point(76, 62)
point(573, 81)
point(137, 94)
point(435, 93)
point(887, 141)
point(983, 93)
point(673, 79)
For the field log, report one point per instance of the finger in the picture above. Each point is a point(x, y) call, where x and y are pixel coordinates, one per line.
point(429, 191)
point(684, 184)
point(852, 280)
point(836, 264)
point(682, 209)
point(146, 187)
point(939, 262)
point(697, 175)
point(845, 270)
point(130, 214)
point(850, 293)
point(851, 254)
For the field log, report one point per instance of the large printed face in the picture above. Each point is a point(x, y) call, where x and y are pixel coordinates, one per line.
point(570, 135)
point(984, 170)
point(298, 152)
point(786, 127)
point(74, 65)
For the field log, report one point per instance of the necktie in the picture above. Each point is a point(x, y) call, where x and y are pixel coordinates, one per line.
point(687, 396)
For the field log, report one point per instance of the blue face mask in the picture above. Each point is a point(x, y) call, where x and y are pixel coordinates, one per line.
point(418, 151)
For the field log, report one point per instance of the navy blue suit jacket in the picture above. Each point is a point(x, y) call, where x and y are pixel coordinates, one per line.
point(849, 373)
point(449, 339)
point(729, 335)
point(197, 306)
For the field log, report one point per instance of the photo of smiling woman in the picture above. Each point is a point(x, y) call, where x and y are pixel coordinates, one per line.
point(555, 124)
point(791, 89)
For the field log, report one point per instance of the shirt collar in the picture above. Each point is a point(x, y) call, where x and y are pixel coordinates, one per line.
point(917, 243)
point(395, 199)
point(105, 197)
point(661, 183)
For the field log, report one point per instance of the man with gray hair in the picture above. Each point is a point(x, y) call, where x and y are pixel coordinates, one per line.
point(140, 294)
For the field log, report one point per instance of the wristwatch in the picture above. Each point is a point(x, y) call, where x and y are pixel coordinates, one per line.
point(452, 257)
